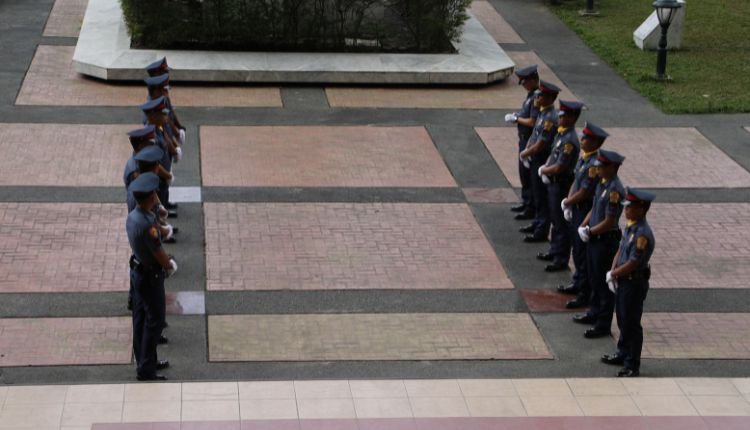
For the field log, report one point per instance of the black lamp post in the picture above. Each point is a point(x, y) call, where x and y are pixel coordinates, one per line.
point(590, 9)
point(665, 11)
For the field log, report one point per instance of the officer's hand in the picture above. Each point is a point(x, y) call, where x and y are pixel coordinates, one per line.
point(170, 231)
point(612, 285)
point(178, 155)
point(563, 206)
point(568, 214)
point(609, 277)
point(182, 136)
point(511, 118)
point(171, 179)
point(584, 233)
point(172, 267)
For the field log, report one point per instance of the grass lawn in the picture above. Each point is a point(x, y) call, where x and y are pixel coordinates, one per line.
point(711, 72)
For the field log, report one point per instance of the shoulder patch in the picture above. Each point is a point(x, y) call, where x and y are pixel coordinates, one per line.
point(548, 125)
point(592, 172)
point(641, 243)
point(614, 198)
point(568, 148)
point(153, 232)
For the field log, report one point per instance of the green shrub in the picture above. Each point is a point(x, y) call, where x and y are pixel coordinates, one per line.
point(296, 25)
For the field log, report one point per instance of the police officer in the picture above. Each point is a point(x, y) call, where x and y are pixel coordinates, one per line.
point(158, 68)
point(575, 208)
point(149, 265)
point(559, 172)
point(629, 278)
point(525, 120)
point(537, 151)
point(601, 230)
point(159, 86)
point(156, 115)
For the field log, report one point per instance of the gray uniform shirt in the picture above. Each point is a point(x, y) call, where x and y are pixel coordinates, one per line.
point(607, 201)
point(637, 244)
point(565, 152)
point(144, 236)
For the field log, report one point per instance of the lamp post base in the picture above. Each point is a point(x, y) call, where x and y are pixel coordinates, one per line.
point(585, 12)
point(663, 78)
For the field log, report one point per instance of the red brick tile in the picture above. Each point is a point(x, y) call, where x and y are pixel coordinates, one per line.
point(500, 30)
point(694, 335)
point(545, 300)
point(66, 18)
point(56, 151)
point(65, 341)
point(700, 245)
point(63, 247)
point(490, 195)
point(321, 246)
point(52, 80)
point(321, 157)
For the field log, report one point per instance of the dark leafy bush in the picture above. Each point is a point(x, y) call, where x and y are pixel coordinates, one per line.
point(296, 25)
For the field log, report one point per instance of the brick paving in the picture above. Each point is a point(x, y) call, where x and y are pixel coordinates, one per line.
point(64, 341)
point(63, 247)
point(490, 195)
point(52, 80)
point(671, 335)
point(321, 157)
point(63, 154)
point(320, 246)
point(545, 300)
point(504, 95)
point(701, 245)
point(443, 336)
point(66, 18)
point(656, 157)
point(495, 25)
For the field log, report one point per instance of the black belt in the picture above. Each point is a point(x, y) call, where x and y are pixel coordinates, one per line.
point(136, 265)
point(639, 275)
point(561, 179)
point(612, 234)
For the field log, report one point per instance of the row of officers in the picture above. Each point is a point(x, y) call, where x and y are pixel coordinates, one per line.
point(571, 192)
point(147, 177)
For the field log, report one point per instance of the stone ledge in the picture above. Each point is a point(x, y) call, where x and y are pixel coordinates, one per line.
point(103, 51)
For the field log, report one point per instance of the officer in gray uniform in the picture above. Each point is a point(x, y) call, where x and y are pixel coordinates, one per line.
point(149, 266)
point(576, 206)
point(139, 139)
point(159, 86)
point(558, 173)
point(601, 231)
point(156, 113)
point(629, 278)
point(538, 150)
point(525, 120)
point(158, 68)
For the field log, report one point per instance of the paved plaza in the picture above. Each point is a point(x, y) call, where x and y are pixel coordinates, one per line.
point(347, 255)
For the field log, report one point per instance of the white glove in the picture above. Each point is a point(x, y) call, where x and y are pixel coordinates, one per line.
point(608, 277)
point(568, 214)
point(545, 180)
point(170, 231)
point(583, 233)
point(544, 177)
point(171, 180)
point(612, 286)
point(563, 206)
point(526, 162)
point(182, 137)
point(162, 212)
point(172, 267)
point(178, 155)
point(511, 118)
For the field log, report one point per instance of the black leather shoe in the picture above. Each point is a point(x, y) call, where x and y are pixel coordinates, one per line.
point(524, 215)
point(545, 256)
point(584, 319)
point(162, 364)
point(578, 302)
point(171, 214)
point(556, 267)
point(170, 240)
point(532, 238)
point(170, 205)
point(528, 229)
point(595, 333)
point(627, 373)
point(156, 377)
point(567, 289)
point(518, 208)
point(613, 358)
point(163, 340)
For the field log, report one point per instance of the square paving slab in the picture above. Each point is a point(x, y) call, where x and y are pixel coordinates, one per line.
point(701, 245)
point(66, 18)
point(63, 247)
point(694, 335)
point(500, 30)
point(324, 246)
point(504, 95)
point(54, 151)
point(321, 157)
point(52, 80)
point(655, 157)
point(65, 341)
point(374, 337)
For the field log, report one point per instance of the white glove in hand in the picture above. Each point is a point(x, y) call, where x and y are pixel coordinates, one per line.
point(170, 231)
point(568, 214)
point(178, 155)
point(545, 180)
point(583, 233)
point(162, 212)
point(170, 181)
point(608, 277)
point(612, 285)
point(182, 137)
point(511, 118)
point(172, 267)
point(526, 162)
point(563, 206)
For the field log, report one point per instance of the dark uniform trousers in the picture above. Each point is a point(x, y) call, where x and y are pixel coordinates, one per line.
point(560, 238)
point(148, 317)
point(163, 192)
point(631, 293)
point(600, 252)
point(524, 174)
point(580, 277)
point(541, 204)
